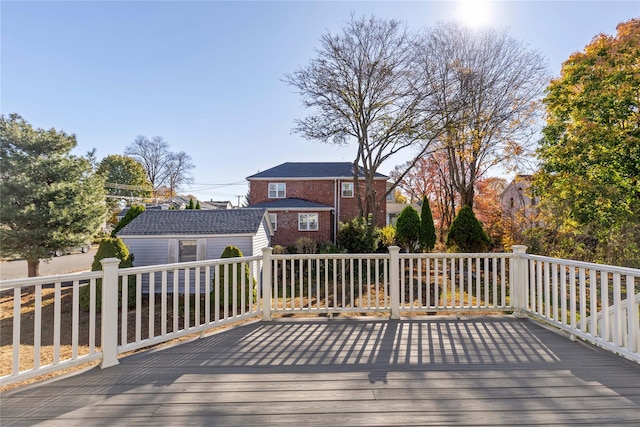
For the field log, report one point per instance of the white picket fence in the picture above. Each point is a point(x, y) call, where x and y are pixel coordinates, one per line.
point(593, 302)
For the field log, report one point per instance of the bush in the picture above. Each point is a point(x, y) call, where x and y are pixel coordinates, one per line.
point(408, 228)
point(387, 237)
point(466, 233)
point(329, 248)
point(133, 212)
point(110, 247)
point(279, 250)
point(250, 288)
point(305, 245)
point(356, 237)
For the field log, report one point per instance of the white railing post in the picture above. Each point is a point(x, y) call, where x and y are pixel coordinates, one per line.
point(266, 283)
point(519, 285)
point(109, 317)
point(394, 281)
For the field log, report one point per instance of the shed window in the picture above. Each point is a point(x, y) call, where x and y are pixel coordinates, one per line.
point(187, 250)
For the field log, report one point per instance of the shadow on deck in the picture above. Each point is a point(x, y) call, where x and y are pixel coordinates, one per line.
point(365, 371)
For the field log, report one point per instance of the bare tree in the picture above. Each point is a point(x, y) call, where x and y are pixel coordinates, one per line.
point(178, 170)
point(487, 86)
point(363, 88)
point(153, 154)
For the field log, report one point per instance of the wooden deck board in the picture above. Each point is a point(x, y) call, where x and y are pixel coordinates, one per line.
point(424, 371)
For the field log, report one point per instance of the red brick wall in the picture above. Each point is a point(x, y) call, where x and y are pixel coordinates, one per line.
point(349, 206)
point(314, 191)
point(318, 191)
point(287, 228)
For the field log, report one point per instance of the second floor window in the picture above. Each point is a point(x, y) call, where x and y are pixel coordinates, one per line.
point(277, 190)
point(308, 222)
point(347, 189)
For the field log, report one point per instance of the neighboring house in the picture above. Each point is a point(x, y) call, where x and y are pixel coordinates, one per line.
point(310, 199)
point(216, 204)
point(519, 208)
point(516, 198)
point(170, 236)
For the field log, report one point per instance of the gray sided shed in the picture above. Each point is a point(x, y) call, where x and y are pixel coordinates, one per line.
point(155, 236)
point(162, 237)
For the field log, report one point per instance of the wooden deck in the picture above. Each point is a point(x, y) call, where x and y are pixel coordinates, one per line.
point(348, 372)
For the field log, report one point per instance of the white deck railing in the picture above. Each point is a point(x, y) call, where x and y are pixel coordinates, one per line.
point(598, 303)
point(594, 302)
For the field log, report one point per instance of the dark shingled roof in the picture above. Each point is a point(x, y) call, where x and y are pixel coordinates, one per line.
point(207, 222)
point(311, 170)
point(291, 203)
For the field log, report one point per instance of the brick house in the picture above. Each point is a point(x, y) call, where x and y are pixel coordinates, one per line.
point(310, 199)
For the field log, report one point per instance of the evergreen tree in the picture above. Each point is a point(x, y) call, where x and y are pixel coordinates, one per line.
point(408, 228)
point(198, 205)
point(110, 247)
point(51, 199)
point(191, 205)
point(427, 227)
point(131, 214)
point(466, 233)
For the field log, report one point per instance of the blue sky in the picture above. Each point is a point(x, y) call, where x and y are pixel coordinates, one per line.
point(207, 75)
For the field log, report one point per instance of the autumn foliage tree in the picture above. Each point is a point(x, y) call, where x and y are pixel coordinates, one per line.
point(430, 177)
point(589, 182)
point(487, 91)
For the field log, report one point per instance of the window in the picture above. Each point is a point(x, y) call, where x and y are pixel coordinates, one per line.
point(347, 189)
point(308, 222)
point(277, 190)
point(273, 218)
point(187, 250)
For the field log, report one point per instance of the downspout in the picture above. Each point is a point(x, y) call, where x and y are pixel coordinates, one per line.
point(336, 210)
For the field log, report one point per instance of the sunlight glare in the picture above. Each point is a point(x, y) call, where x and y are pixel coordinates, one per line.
point(474, 13)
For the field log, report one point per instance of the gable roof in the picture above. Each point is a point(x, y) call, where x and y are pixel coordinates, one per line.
point(291, 203)
point(327, 170)
point(189, 222)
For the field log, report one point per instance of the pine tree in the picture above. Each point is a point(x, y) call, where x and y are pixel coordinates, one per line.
point(427, 227)
point(408, 228)
point(51, 199)
point(466, 233)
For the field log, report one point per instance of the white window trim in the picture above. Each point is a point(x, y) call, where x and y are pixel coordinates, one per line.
point(343, 188)
point(275, 190)
point(273, 219)
point(308, 222)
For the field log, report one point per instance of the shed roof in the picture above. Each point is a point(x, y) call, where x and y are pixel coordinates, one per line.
point(206, 222)
point(311, 170)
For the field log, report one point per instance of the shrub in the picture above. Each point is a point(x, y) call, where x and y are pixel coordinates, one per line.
point(329, 248)
point(408, 228)
point(356, 236)
point(279, 250)
point(110, 247)
point(305, 245)
point(387, 237)
point(250, 288)
point(466, 233)
point(133, 212)
point(427, 227)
